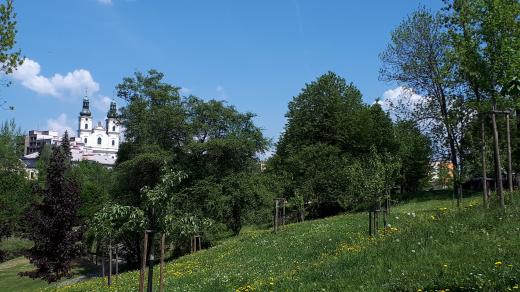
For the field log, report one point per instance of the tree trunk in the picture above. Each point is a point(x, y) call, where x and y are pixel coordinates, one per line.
point(484, 166)
point(496, 154)
point(453, 149)
point(509, 162)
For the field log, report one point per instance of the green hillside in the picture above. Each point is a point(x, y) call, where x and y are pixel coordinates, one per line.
point(429, 246)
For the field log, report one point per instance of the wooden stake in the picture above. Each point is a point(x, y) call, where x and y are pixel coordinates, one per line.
point(109, 263)
point(283, 214)
point(143, 263)
point(117, 265)
point(150, 262)
point(484, 166)
point(509, 166)
point(369, 223)
point(161, 272)
point(102, 264)
point(275, 215)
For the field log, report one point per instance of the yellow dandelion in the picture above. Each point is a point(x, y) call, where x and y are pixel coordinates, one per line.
point(498, 263)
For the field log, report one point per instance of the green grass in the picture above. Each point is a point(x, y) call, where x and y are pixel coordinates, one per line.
point(11, 281)
point(14, 246)
point(428, 248)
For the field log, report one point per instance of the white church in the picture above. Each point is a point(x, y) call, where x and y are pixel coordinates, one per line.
point(97, 138)
point(94, 141)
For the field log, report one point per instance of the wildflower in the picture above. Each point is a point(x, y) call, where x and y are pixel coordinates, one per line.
point(498, 264)
point(515, 286)
point(445, 266)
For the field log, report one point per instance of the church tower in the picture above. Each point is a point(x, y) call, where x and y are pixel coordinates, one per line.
point(85, 122)
point(112, 127)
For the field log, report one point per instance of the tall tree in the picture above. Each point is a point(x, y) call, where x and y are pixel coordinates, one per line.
point(52, 221)
point(210, 141)
point(418, 58)
point(486, 36)
point(15, 189)
point(328, 127)
point(65, 144)
point(9, 58)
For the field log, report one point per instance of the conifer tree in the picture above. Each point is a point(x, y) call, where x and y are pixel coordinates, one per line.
point(52, 222)
point(65, 144)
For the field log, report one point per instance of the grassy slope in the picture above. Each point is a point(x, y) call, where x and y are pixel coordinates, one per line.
point(428, 248)
point(10, 281)
point(14, 246)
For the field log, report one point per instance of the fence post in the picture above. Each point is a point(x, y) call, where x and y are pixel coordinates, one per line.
point(161, 273)
point(369, 223)
point(275, 215)
point(150, 261)
point(109, 263)
point(143, 263)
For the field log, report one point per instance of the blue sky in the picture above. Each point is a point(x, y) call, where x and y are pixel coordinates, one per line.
point(256, 55)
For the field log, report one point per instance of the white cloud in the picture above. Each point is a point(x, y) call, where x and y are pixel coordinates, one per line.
point(221, 92)
point(105, 2)
point(60, 125)
point(101, 103)
point(71, 84)
point(185, 90)
point(400, 98)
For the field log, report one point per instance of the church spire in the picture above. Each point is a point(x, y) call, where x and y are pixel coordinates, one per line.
point(86, 110)
point(112, 113)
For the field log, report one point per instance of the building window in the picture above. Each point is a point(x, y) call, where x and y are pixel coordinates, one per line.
point(99, 141)
point(113, 128)
point(86, 126)
point(113, 142)
point(85, 140)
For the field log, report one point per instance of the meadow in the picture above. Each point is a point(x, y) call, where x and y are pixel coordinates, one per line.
point(429, 245)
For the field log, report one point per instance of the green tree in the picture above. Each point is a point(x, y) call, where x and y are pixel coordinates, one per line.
point(417, 58)
point(14, 187)
point(9, 58)
point(65, 144)
point(485, 35)
point(328, 128)
point(10, 149)
point(415, 155)
point(209, 141)
point(42, 164)
point(95, 183)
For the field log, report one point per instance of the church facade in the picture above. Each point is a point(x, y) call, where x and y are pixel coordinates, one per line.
point(98, 138)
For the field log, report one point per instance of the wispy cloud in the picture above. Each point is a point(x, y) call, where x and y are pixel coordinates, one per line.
point(60, 125)
point(221, 92)
point(71, 84)
point(101, 103)
point(185, 91)
point(105, 2)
